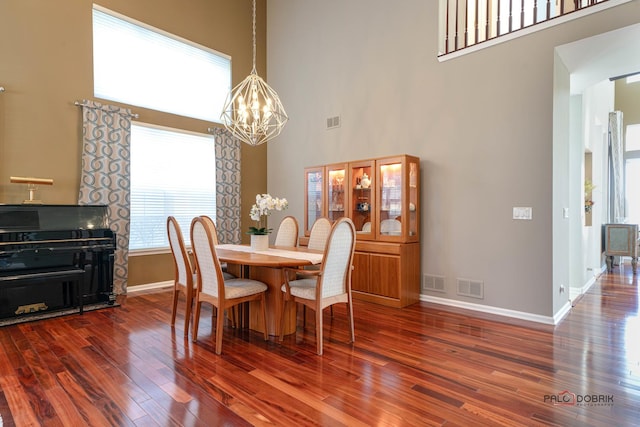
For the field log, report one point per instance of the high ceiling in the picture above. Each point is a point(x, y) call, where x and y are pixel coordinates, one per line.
point(597, 58)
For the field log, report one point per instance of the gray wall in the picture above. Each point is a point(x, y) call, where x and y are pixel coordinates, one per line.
point(482, 123)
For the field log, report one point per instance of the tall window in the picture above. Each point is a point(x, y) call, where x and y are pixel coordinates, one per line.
point(172, 173)
point(172, 170)
point(140, 65)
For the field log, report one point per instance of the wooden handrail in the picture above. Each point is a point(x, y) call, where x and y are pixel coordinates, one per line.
point(470, 22)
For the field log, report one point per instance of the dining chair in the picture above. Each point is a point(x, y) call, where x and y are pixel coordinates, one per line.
point(317, 241)
point(390, 226)
point(211, 286)
point(319, 233)
point(287, 234)
point(184, 281)
point(225, 273)
point(328, 286)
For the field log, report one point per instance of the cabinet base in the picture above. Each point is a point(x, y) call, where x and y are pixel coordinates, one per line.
point(382, 300)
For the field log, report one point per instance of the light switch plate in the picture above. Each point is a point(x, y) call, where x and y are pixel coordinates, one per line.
point(522, 213)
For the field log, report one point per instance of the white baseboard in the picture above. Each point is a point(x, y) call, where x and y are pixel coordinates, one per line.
point(149, 286)
point(576, 292)
point(500, 311)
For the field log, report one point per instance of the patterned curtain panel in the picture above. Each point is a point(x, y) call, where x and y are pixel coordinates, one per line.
point(106, 137)
point(617, 167)
point(227, 186)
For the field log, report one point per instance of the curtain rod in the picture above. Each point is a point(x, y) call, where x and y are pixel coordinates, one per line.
point(84, 103)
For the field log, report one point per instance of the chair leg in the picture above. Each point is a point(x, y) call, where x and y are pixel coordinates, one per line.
point(234, 316)
point(174, 309)
point(219, 330)
point(187, 316)
point(196, 320)
point(350, 314)
point(304, 316)
point(284, 305)
point(263, 302)
point(319, 330)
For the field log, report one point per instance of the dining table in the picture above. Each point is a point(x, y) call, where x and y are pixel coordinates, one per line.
point(268, 266)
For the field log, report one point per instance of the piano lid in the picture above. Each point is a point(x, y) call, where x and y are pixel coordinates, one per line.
point(53, 217)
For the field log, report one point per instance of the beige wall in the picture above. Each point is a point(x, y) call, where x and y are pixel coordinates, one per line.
point(628, 101)
point(46, 65)
point(482, 124)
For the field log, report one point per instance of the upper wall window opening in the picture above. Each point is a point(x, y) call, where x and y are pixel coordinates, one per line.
point(466, 23)
point(143, 66)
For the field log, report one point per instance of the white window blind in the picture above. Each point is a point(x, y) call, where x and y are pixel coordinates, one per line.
point(172, 173)
point(143, 66)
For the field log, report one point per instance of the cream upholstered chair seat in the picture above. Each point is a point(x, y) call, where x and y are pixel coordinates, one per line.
point(238, 288)
point(287, 234)
point(329, 285)
point(303, 288)
point(212, 288)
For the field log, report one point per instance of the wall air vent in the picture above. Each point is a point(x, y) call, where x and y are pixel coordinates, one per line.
point(333, 122)
point(471, 288)
point(433, 283)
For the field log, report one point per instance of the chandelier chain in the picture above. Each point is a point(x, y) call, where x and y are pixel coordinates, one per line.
point(254, 36)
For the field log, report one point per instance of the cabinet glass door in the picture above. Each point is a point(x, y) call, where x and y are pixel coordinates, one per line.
point(336, 196)
point(362, 198)
point(314, 203)
point(390, 199)
point(414, 194)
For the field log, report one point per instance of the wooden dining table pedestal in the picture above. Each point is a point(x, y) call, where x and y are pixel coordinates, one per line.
point(268, 267)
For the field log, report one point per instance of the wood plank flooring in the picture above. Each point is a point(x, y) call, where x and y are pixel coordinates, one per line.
point(425, 365)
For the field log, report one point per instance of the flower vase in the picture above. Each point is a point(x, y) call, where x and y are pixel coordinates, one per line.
point(259, 242)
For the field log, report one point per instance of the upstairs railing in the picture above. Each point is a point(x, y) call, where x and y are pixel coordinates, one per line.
point(465, 23)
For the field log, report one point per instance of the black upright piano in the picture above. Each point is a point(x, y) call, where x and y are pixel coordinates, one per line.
point(54, 257)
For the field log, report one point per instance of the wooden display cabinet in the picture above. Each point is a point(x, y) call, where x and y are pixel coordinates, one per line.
point(382, 198)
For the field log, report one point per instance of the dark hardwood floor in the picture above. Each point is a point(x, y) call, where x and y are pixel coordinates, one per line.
point(422, 365)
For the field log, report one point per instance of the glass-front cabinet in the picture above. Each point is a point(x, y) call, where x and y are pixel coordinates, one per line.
point(362, 211)
point(314, 201)
point(398, 201)
point(382, 198)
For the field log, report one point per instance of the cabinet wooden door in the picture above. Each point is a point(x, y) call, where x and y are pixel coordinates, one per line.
point(385, 275)
point(360, 274)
